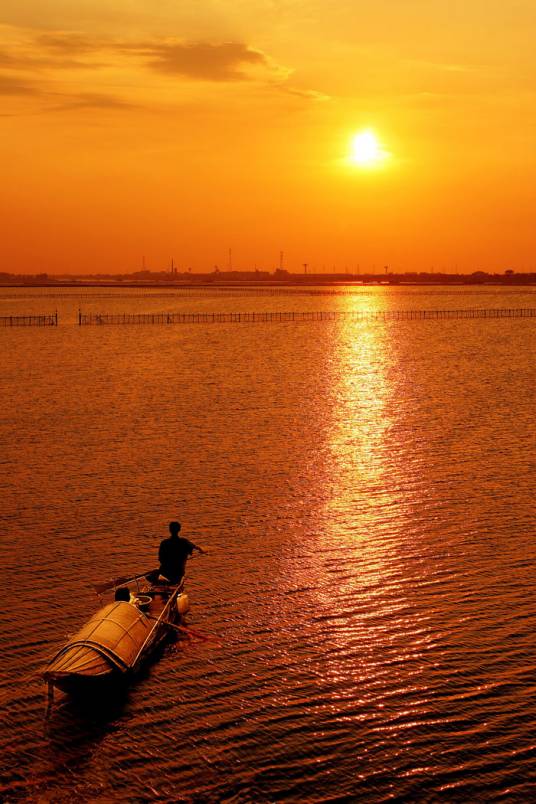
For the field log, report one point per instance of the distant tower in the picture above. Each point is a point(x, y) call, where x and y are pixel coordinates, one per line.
point(230, 259)
point(305, 264)
point(143, 263)
point(280, 260)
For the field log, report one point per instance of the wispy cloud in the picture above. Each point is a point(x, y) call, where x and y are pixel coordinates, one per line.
point(45, 56)
point(92, 100)
point(68, 42)
point(10, 85)
point(22, 50)
point(309, 94)
point(229, 61)
point(205, 61)
point(26, 62)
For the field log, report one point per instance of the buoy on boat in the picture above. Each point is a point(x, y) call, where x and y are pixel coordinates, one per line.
point(183, 604)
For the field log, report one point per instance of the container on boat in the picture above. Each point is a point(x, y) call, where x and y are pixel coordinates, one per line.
point(183, 604)
point(143, 602)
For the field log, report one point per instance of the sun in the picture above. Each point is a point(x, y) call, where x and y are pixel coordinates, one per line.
point(366, 150)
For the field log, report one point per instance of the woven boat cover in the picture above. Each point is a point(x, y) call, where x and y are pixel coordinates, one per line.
point(118, 632)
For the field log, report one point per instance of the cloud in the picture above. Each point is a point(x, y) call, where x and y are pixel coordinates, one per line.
point(92, 100)
point(60, 51)
point(205, 61)
point(26, 62)
point(45, 55)
point(68, 42)
point(308, 94)
point(13, 86)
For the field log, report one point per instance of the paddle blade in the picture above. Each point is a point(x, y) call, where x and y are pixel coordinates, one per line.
point(108, 585)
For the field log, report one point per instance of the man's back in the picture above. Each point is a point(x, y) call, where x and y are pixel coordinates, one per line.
point(173, 554)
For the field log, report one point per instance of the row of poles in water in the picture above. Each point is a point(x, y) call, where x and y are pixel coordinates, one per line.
point(99, 319)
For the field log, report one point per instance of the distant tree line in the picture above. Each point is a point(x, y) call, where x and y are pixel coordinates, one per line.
point(279, 276)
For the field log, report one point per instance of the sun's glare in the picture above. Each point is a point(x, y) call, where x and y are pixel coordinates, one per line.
point(366, 150)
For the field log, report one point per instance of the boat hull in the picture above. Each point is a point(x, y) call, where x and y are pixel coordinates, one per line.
point(113, 644)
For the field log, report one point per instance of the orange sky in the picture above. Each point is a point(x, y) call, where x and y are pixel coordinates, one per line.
point(182, 131)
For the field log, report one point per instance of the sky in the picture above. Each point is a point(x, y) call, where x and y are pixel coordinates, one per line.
point(135, 132)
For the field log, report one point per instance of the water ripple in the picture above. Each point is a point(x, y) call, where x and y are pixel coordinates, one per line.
point(366, 495)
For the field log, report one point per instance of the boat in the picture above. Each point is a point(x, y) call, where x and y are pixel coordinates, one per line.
point(117, 640)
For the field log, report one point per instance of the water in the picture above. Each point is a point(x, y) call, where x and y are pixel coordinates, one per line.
point(366, 494)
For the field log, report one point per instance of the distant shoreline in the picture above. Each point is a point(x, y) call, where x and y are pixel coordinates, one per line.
point(518, 281)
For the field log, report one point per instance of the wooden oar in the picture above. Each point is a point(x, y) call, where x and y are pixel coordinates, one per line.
point(190, 632)
point(184, 629)
point(105, 587)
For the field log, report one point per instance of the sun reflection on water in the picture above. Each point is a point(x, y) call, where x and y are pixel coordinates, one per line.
point(357, 577)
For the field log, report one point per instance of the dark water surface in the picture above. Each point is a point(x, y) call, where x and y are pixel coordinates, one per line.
point(367, 494)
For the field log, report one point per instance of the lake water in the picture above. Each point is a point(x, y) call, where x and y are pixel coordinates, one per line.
point(366, 491)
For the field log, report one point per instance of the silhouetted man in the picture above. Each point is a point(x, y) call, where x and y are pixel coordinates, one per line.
point(174, 552)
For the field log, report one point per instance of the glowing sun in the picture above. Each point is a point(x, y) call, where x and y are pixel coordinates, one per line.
point(366, 150)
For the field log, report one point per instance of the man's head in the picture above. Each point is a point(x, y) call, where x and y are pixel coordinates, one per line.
point(174, 528)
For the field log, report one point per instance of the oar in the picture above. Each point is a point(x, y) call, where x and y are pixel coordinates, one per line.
point(184, 629)
point(104, 587)
point(190, 632)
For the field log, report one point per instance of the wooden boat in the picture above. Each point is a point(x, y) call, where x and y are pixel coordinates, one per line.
point(117, 640)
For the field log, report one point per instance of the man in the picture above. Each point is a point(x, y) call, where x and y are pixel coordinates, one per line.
point(174, 552)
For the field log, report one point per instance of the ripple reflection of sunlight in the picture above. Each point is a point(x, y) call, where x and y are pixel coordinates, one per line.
point(363, 595)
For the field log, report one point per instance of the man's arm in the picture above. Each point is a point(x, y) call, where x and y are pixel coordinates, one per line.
point(199, 549)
